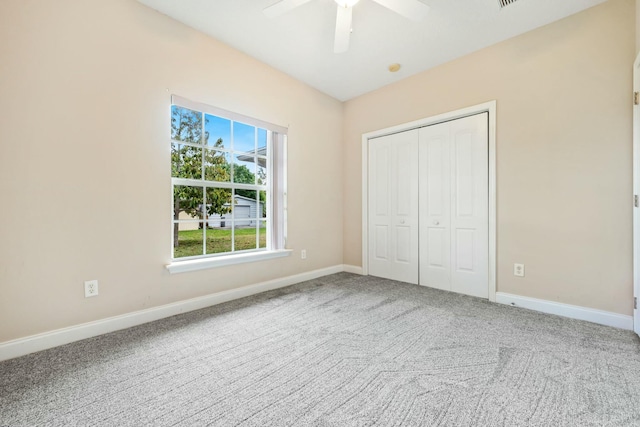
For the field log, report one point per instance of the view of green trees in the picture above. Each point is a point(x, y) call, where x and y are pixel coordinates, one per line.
point(188, 161)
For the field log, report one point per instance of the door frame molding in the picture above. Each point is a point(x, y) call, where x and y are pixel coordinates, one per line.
point(486, 107)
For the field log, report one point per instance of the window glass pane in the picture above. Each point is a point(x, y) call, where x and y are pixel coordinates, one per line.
point(218, 131)
point(245, 237)
point(244, 137)
point(244, 208)
point(186, 125)
point(218, 220)
point(262, 141)
point(244, 169)
point(219, 238)
point(216, 166)
point(187, 202)
point(187, 239)
point(262, 231)
point(262, 208)
point(261, 171)
point(218, 205)
point(186, 161)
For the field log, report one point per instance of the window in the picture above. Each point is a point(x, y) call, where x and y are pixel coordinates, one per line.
point(228, 183)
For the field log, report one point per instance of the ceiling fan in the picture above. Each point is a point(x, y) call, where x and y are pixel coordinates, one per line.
point(411, 9)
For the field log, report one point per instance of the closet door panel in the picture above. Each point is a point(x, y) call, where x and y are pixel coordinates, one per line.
point(404, 206)
point(435, 211)
point(393, 207)
point(470, 210)
point(379, 214)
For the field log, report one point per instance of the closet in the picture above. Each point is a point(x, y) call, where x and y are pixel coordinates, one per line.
point(428, 206)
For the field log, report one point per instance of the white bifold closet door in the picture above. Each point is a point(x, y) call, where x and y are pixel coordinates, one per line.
point(428, 207)
point(454, 209)
point(393, 207)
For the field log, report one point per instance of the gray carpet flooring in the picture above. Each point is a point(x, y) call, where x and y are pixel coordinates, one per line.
point(342, 350)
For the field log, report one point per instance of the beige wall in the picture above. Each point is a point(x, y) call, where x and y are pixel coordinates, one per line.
point(637, 26)
point(563, 152)
point(84, 159)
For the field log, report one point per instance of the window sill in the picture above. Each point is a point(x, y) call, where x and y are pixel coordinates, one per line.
point(221, 261)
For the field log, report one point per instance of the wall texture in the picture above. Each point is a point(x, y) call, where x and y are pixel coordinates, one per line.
point(85, 159)
point(564, 132)
point(637, 26)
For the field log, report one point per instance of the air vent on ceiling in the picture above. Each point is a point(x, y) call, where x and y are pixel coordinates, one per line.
point(504, 3)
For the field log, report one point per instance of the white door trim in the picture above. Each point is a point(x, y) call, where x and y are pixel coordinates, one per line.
point(636, 193)
point(489, 107)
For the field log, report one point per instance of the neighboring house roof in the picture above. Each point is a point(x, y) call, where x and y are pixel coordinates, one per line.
point(261, 161)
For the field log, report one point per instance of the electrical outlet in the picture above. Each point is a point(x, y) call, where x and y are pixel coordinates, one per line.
point(91, 288)
point(303, 254)
point(518, 270)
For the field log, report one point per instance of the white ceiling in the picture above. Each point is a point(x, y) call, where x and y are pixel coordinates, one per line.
point(300, 42)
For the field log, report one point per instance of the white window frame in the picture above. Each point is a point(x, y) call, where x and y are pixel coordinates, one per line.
point(276, 204)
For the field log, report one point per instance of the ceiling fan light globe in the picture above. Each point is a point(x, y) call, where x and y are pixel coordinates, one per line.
point(346, 3)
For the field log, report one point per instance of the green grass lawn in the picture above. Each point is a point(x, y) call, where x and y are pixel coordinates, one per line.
point(218, 240)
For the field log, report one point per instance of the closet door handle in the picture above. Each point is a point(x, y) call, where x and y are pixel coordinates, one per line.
point(402, 221)
point(436, 222)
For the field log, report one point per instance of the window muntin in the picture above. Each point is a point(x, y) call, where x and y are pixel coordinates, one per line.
point(223, 191)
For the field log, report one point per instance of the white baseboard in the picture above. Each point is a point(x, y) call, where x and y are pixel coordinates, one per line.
point(33, 343)
point(573, 311)
point(352, 269)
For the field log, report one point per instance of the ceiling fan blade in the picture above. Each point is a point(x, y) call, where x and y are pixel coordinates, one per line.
point(343, 29)
point(283, 6)
point(411, 9)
